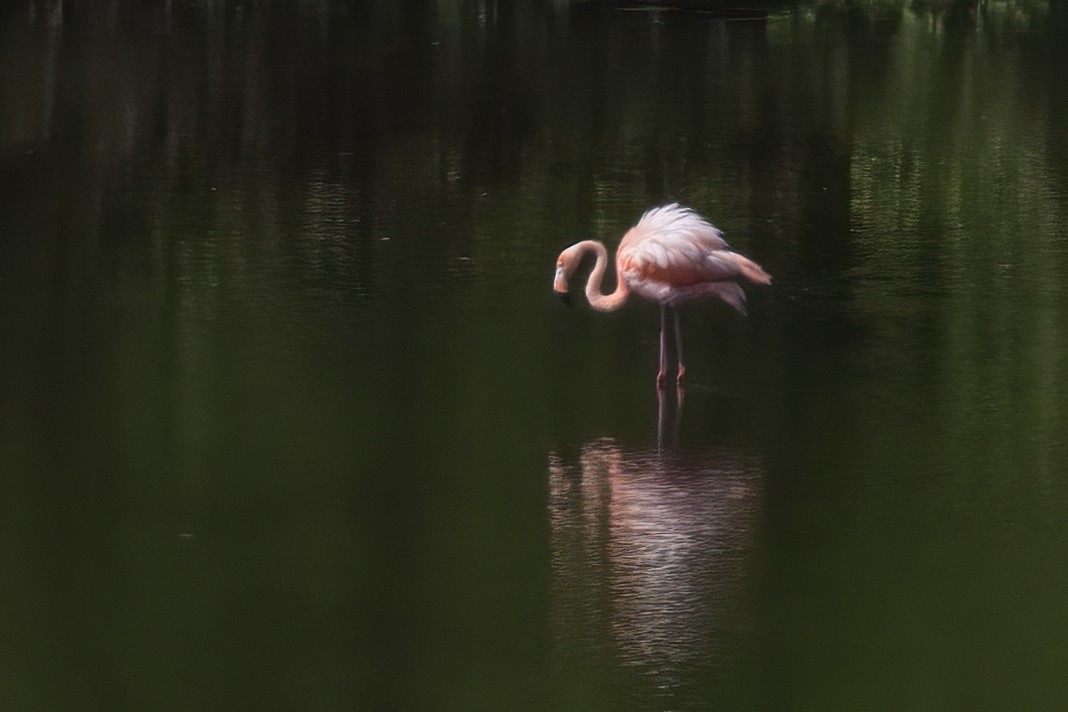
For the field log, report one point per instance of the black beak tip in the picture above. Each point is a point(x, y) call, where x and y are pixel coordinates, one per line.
point(565, 297)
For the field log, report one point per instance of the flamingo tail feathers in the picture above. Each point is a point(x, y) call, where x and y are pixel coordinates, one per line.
point(752, 271)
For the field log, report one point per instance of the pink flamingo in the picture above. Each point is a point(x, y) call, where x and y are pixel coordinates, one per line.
point(672, 256)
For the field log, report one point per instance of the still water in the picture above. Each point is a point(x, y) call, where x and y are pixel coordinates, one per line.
point(289, 418)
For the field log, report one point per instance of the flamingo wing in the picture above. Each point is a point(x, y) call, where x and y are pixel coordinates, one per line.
point(674, 255)
point(676, 246)
point(683, 223)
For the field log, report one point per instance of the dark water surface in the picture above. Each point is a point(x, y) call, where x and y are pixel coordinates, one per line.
point(289, 418)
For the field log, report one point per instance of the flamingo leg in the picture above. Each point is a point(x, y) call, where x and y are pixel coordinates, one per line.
point(678, 347)
point(659, 420)
point(663, 347)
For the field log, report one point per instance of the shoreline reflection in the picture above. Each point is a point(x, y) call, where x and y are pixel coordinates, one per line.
point(650, 557)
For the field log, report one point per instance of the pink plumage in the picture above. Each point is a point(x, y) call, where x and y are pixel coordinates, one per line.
point(671, 256)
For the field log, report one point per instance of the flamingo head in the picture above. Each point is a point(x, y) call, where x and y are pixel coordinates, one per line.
point(565, 266)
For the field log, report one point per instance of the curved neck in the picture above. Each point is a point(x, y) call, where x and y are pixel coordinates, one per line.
point(598, 299)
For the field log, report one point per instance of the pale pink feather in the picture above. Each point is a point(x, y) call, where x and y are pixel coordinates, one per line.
point(674, 255)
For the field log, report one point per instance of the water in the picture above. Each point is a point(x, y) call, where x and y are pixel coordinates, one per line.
point(290, 418)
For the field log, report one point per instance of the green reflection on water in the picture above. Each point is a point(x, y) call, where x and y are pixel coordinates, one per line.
point(285, 391)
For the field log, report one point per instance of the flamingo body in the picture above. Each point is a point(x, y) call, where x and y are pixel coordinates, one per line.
point(671, 256)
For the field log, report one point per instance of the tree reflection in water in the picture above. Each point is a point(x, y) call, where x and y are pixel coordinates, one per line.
point(651, 561)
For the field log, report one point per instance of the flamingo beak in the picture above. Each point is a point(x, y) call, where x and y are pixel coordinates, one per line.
point(560, 286)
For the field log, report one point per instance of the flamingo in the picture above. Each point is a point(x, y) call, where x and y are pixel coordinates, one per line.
point(671, 256)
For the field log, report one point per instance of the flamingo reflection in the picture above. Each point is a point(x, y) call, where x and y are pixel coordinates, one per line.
point(650, 557)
